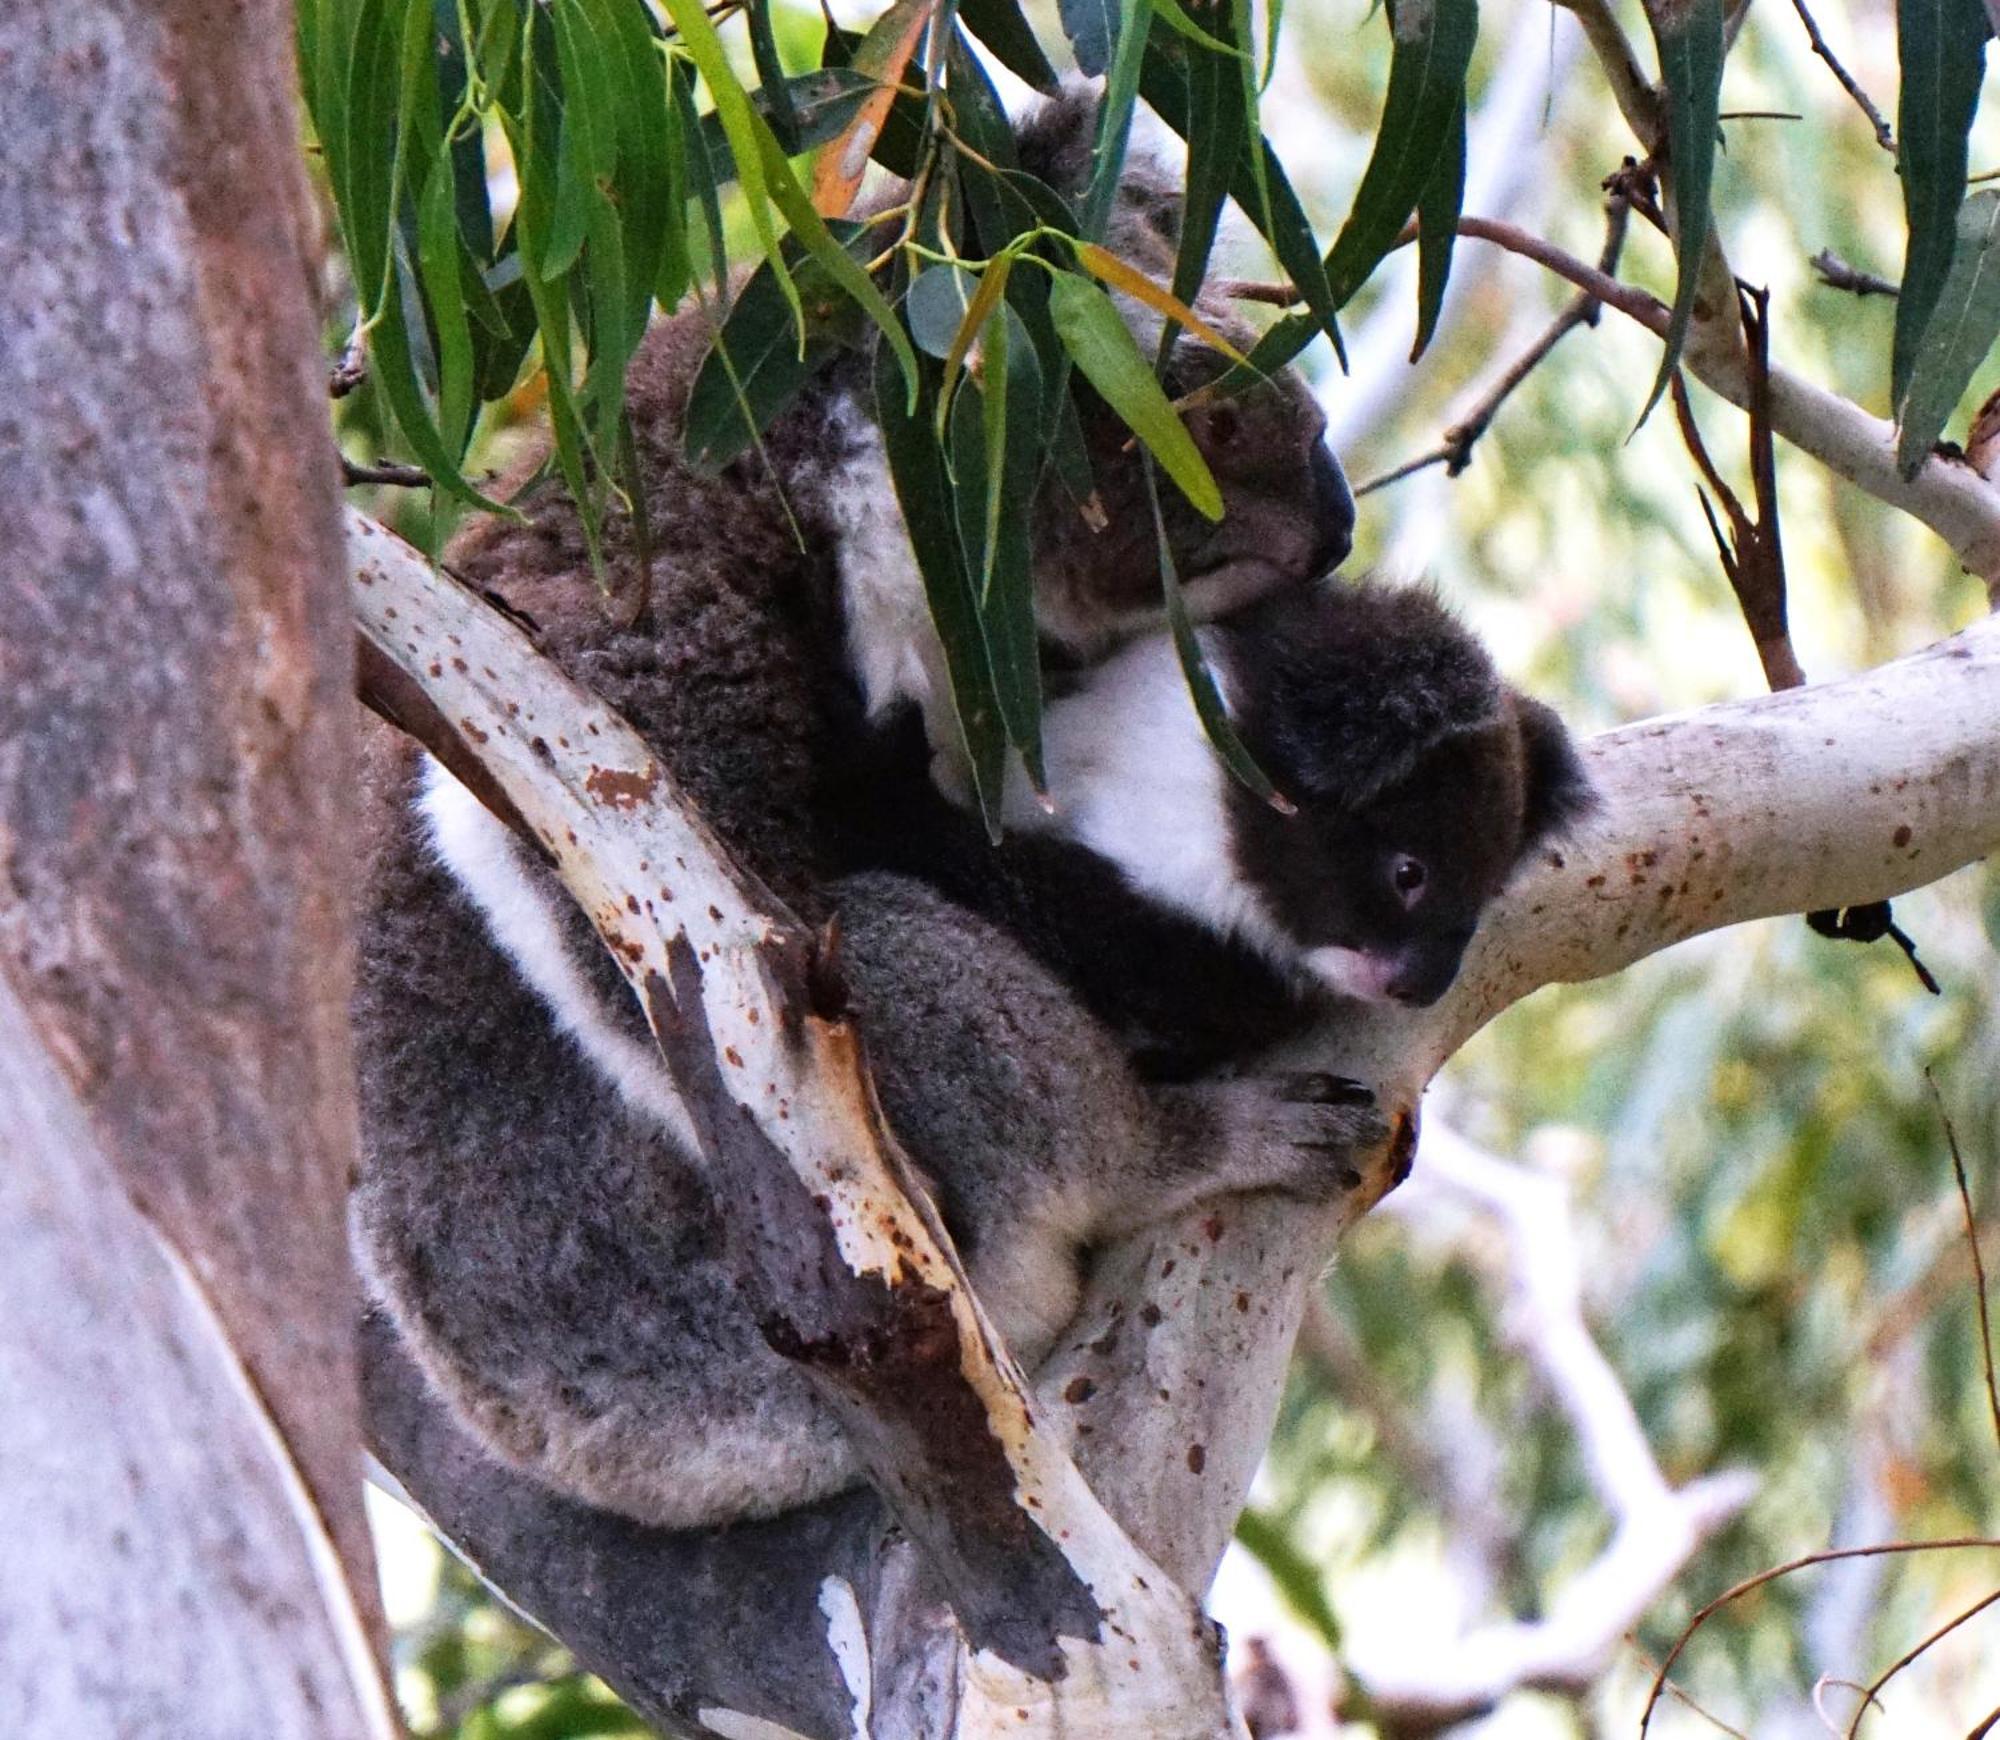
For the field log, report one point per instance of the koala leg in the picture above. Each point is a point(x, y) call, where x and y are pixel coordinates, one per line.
point(1028, 1119)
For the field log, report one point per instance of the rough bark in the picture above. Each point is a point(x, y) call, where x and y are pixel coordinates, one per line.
point(174, 791)
point(1168, 1383)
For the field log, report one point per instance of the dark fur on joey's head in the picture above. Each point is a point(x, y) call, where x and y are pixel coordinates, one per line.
point(1421, 780)
point(1289, 512)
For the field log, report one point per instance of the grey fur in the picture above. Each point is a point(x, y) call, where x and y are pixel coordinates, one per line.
point(547, 1246)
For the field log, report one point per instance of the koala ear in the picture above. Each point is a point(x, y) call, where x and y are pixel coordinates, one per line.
point(1558, 792)
point(1056, 141)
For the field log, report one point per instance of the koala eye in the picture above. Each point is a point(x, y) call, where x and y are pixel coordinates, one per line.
point(1408, 876)
point(1224, 425)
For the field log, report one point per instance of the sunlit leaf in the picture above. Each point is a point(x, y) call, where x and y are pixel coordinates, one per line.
point(1121, 275)
point(883, 55)
point(1965, 322)
point(1101, 345)
point(1941, 52)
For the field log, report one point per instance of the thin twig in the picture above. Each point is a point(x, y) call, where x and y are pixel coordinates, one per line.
point(1982, 1729)
point(1255, 290)
point(1972, 1241)
point(1830, 1555)
point(1454, 448)
point(349, 372)
point(1760, 115)
point(352, 472)
point(1837, 274)
point(1883, 136)
point(1909, 1655)
point(1681, 1696)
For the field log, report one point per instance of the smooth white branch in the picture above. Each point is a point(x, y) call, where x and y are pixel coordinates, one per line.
point(1658, 1527)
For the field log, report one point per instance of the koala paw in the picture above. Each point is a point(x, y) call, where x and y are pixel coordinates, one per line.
point(1302, 1132)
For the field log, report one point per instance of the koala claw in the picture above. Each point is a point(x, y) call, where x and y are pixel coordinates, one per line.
point(1314, 1088)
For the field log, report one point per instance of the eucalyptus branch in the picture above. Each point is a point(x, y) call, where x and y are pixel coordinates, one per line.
point(1454, 449)
point(1883, 136)
point(1638, 100)
point(1836, 274)
point(1950, 497)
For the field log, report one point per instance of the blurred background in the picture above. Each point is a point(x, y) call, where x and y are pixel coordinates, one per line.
point(1682, 1288)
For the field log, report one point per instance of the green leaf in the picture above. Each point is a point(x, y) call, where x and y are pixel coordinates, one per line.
point(936, 307)
point(439, 253)
point(1114, 118)
point(748, 133)
point(1965, 321)
point(771, 82)
point(587, 153)
point(1208, 703)
point(1689, 36)
point(1000, 25)
point(754, 369)
point(1218, 127)
point(1165, 84)
point(1941, 53)
point(701, 169)
point(1102, 346)
point(1092, 28)
point(1432, 48)
point(811, 232)
point(1437, 233)
point(923, 490)
point(371, 104)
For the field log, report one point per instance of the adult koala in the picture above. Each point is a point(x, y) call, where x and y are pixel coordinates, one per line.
point(532, 1210)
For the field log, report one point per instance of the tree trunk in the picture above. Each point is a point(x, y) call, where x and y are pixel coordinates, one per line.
point(180, 1449)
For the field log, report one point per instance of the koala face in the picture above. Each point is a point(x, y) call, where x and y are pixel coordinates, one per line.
point(1420, 781)
point(1288, 514)
point(1381, 900)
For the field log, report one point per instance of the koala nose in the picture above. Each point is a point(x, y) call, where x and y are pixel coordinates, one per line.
point(1333, 511)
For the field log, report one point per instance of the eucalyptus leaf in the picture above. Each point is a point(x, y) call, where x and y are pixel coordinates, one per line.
point(1000, 25)
point(1965, 322)
point(1689, 36)
point(1431, 51)
point(1941, 53)
point(923, 490)
point(1437, 233)
point(1102, 346)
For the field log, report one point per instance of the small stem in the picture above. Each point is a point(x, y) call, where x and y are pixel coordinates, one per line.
point(1883, 136)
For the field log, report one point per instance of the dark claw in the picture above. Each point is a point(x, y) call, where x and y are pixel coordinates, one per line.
point(1311, 1088)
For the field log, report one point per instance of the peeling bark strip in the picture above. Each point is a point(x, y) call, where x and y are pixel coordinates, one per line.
point(1114, 1646)
point(175, 750)
point(882, 1350)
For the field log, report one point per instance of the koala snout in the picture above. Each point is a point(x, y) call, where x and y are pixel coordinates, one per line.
point(1333, 511)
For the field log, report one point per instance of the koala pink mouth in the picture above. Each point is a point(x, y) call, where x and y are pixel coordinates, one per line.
point(1353, 973)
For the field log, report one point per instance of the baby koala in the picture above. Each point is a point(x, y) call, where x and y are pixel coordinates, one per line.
point(1417, 782)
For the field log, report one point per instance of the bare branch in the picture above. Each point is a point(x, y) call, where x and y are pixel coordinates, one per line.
point(1836, 274)
point(353, 472)
point(1883, 136)
point(1454, 449)
point(1948, 496)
